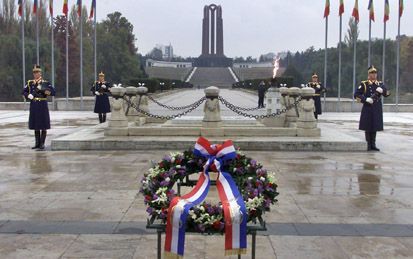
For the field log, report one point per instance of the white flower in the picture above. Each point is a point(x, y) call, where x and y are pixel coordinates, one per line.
point(250, 178)
point(262, 178)
point(167, 179)
point(178, 166)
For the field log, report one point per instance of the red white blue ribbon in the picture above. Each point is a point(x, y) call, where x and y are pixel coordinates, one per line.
point(233, 205)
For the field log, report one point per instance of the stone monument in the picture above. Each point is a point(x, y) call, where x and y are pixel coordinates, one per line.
point(213, 39)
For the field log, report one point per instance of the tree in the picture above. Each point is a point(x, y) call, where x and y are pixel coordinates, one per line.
point(353, 32)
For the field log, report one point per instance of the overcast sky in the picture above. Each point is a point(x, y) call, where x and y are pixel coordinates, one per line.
point(251, 27)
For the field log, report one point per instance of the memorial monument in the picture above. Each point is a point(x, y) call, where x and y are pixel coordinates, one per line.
point(213, 39)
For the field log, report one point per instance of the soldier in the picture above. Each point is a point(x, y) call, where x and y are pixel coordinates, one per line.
point(36, 91)
point(101, 89)
point(370, 93)
point(261, 94)
point(319, 89)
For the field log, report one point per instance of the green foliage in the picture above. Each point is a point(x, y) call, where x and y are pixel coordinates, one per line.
point(116, 50)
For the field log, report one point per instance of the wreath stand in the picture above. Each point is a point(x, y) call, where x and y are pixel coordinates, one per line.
point(160, 228)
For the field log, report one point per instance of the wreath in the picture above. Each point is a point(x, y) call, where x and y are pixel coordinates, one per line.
point(257, 186)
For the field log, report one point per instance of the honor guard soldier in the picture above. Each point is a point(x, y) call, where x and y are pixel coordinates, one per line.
point(370, 93)
point(36, 92)
point(261, 94)
point(319, 89)
point(101, 89)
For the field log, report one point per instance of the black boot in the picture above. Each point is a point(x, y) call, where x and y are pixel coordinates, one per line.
point(316, 116)
point(42, 139)
point(100, 118)
point(368, 140)
point(37, 139)
point(373, 141)
point(104, 118)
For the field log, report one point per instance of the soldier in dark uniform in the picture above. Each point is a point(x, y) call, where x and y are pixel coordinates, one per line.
point(319, 89)
point(261, 94)
point(370, 93)
point(101, 89)
point(36, 92)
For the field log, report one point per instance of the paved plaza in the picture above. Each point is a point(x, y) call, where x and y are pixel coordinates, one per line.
point(85, 204)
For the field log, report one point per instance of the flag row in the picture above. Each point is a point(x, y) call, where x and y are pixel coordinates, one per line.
point(356, 13)
point(65, 7)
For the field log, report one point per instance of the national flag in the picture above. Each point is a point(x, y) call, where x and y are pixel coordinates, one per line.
point(327, 9)
point(79, 8)
point(401, 8)
point(341, 10)
point(92, 9)
point(371, 9)
point(20, 7)
point(65, 7)
point(356, 14)
point(35, 7)
point(51, 7)
point(386, 11)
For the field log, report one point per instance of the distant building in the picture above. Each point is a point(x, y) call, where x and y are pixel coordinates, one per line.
point(167, 51)
point(156, 63)
point(252, 65)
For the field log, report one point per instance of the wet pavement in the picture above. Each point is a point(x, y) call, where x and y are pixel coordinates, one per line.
point(86, 204)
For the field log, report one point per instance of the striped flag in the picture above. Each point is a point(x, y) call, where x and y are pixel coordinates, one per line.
point(65, 7)
point(371, 10)
point(79, 8)
point(341, 10)
point(356, 14)
point(327, 9)
point(51, 7)
point(92, 9)
point(35, 7)
point(20, 7)
point(386, 11)
point(401, 8)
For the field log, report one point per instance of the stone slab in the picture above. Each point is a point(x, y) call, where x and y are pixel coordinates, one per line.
point(93, 138)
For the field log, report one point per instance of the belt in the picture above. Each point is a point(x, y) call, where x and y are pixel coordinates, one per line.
point(317, 95)
point(39, 99)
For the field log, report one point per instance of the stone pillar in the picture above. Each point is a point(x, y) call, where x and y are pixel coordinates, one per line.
point(205, 31)
point(273, 103)
point(142, 103)
point(292, 116)
point(306, 123)
point(212, 31)
point(212, 121)
point(118, 123)
point(220, 32)
point(130, 112)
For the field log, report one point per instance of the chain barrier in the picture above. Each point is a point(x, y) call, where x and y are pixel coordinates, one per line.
point(167, 117)
point(252, 116)
point(173, 108)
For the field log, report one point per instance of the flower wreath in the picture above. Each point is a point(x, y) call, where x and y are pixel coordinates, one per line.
point(257, 186)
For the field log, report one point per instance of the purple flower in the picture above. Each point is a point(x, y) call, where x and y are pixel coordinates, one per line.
point(149, 210)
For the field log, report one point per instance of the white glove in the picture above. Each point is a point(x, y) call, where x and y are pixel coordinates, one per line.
point(379, 90)
point(39, 87)
point(318, 86)
point(97, 93)
point(104, 86)
point(30, 96)
point(369, 100)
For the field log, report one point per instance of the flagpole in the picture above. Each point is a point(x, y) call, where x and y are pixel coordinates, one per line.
point(81, 54)
point(369, 58)
point(325, 61)
point(339, 64)
point(52, 40)
point(354, 66)
point(37, 34)
point(398, 65)
point(67, 60)
point(384, 51)
point(23, 5)
point(95, 42)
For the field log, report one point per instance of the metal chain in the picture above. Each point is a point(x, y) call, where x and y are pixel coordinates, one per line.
point(168, 117)
point(252, 116)
point(245, 109)
point(173, 108)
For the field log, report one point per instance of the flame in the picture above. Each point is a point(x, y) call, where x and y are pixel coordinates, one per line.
point(276, 66)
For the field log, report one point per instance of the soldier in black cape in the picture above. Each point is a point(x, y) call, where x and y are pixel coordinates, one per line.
point(370, 93)
point(101, 89)
point(36, 92)
point(319, 89)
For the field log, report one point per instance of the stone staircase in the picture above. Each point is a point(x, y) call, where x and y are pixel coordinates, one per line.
point(212, 76)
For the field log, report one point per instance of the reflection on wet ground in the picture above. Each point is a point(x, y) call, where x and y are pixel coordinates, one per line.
point(92, 187)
